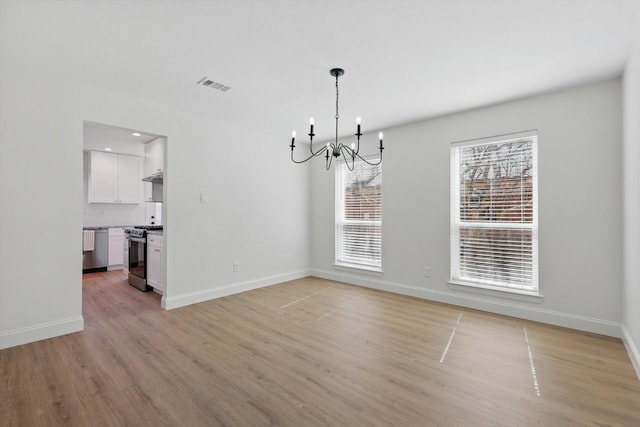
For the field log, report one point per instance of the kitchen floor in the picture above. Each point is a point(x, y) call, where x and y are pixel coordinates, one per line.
point(115, 279)
point(92, 277)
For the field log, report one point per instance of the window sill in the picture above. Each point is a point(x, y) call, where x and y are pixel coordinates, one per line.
point(372, 271)
point(511, 294)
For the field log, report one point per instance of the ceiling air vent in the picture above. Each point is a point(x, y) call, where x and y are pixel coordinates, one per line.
point(213, 85)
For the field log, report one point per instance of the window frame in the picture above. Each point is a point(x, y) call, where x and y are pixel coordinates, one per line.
point(456, 278)
point(339, 220)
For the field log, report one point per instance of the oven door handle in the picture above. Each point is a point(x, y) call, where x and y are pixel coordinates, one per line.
point(137, 239)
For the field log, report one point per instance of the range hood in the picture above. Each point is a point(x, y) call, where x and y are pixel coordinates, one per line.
point(156, 181)
point(156, 178)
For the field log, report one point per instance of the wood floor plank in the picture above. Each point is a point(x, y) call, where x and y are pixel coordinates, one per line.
point(311, 352)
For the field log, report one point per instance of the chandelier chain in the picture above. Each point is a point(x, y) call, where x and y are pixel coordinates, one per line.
point(337, 96)
point(337, 115)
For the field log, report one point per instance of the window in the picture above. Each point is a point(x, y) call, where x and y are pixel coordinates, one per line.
point(359, 216)
point(494, 219)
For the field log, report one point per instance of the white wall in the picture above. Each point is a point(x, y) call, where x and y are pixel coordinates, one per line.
point(580, 237)
point(257, 213)
point(631, 155)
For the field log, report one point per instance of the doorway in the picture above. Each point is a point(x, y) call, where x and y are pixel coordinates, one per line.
point(123, 193)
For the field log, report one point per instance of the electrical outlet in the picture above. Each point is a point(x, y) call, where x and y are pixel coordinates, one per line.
point(204, 197)
point(427, 272)
point(236, 267)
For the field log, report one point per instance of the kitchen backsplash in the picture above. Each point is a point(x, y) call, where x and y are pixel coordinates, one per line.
point(112, 214)
point(95, 215)
point(153, 213)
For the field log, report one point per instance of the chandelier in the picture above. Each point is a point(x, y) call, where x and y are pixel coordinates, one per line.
point(335, 149)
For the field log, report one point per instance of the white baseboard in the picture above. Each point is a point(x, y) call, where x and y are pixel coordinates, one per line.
point(632, 349)
point(41, 332)
point(505, 307)
point(235, 288)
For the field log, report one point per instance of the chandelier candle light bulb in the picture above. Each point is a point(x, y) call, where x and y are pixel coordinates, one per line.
point(336, 148)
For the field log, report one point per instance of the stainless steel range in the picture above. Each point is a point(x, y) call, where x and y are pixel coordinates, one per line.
point(137, 238)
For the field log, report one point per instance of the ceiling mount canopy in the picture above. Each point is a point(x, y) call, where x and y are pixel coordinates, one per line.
point(336, 72)
point(335, 149)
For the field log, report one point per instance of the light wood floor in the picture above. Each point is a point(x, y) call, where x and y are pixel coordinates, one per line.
point(312, 353)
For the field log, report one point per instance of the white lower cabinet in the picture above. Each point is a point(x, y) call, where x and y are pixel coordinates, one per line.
point(116, 256)
point(155, 277)
point(125, 255)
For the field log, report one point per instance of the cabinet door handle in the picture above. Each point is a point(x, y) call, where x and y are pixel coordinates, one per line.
point(157, 250)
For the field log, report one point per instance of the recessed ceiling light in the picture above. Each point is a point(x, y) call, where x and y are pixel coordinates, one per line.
point(135, 134)
point(107, 149)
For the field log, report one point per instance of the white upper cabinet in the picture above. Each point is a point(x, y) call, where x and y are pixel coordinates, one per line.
point(114, 178)
point(103, 181)
point(154, 157)
point(128, 179)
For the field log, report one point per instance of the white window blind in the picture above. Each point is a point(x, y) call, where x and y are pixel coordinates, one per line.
point(359, 216)
point(494, 220)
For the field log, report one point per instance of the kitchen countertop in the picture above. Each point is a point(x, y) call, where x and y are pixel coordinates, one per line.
point(104, 227)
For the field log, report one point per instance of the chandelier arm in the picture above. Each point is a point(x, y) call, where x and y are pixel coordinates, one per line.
point(310, 157)
point(348, 153)
point(328, 160)
point(368, 162)
point(316, 153)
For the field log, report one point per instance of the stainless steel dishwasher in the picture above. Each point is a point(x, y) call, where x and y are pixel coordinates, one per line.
point(98, 258)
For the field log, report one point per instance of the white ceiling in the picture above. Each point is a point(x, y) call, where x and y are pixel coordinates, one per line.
point(404, 60)
point(97, 136)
